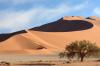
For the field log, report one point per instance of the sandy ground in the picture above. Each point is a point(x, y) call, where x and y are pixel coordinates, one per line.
point(81, 64)
point(90, 63)
point(31, 60)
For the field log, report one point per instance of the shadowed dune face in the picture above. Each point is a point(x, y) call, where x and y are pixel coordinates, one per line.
point(26, 43)
point(3, 37)
point(64, 26)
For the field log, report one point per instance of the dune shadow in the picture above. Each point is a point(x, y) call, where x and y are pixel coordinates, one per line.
point(6, 36)
point(64, 26)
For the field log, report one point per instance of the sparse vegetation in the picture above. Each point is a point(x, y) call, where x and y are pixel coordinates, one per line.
point(80, 49)
point(3, 63)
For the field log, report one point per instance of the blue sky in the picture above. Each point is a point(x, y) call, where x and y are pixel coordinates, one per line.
point(17, 15)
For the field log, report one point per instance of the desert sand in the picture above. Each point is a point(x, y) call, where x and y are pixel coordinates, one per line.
point(81, 64)
point(92, 63)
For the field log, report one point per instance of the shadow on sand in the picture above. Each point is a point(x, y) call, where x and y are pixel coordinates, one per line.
point(6, 36)
point(64, 26)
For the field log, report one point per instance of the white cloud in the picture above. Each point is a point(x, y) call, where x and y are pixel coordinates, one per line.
point(17, 20)
point(97, 11)
point(82, 5)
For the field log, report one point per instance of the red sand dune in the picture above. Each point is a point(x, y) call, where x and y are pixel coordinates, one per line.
point(52, 37)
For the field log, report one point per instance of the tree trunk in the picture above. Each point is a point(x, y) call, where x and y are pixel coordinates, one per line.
point(82, 55)
point(82, 58)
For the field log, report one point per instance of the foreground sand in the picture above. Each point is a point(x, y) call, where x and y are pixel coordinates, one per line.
point(81, 64)
point(49, 60)
point(89, 63)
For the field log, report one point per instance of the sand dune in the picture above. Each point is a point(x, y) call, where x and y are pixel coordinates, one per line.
point(50, 38)
point(73, 18)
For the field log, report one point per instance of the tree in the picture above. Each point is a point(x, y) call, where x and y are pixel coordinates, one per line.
point(61, 54)
point(66, 54)
point(81, 49)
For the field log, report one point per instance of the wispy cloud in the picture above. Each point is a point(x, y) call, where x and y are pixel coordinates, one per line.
point(82, 5)
point(97, 11)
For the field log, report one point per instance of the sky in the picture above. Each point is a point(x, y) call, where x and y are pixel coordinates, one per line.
point(16, 15)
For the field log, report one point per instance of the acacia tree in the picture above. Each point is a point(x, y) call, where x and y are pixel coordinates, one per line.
point(66, 54)
point(81, 49)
